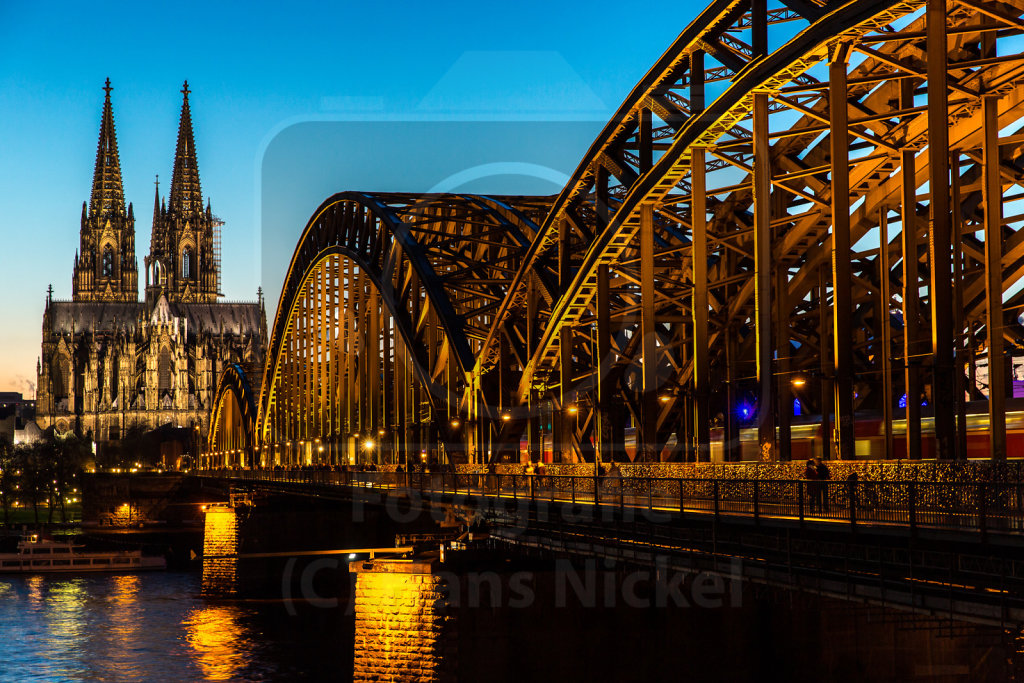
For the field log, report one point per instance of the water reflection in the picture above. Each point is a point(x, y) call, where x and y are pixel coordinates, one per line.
point(218, 640)
point(153, 627)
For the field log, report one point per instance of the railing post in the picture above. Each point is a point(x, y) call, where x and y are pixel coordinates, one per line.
point(650, 496)
point(682, 507)
point(912, 504)
point(800, 498)
point(715, 488)
point(757, 496)
point(515, 488)
point(573, 484)
point(982, 509)
point(851, 493)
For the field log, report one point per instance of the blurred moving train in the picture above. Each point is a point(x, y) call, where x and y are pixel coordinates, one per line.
point(806, 441)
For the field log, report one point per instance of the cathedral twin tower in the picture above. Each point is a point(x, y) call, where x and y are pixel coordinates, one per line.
point(113, 365)
point(184, 259)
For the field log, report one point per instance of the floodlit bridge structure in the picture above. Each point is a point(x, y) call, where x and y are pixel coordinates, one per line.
point(756, 230)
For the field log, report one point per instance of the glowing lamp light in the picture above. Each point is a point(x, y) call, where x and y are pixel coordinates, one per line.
point(664, 398)
point(506, 417)
point(380, 432)
point(744, 410)
point(572, 409)
point(455, 424)
point(799, 381)
point(368, 444)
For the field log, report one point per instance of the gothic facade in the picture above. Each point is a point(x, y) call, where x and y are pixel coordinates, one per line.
point(111, 362)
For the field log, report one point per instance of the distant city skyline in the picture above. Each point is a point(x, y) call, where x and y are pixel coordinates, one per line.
point(258, 74)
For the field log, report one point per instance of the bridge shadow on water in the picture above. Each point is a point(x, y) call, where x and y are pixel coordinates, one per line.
point(542, 621)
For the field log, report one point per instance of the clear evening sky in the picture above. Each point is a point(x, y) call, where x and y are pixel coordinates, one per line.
point(290, 103)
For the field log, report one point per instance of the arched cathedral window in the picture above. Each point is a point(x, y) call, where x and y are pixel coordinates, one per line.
point(164, 369)
point(186, 264)
point(108, 261)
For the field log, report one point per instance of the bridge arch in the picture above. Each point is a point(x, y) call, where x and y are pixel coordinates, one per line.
point(231, 438)
point(383, 308)
point(754, 230)
point(640, 334)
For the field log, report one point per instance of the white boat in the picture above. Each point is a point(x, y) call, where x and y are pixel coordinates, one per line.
point(38, 555)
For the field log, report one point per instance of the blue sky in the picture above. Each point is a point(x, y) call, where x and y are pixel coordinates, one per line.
point(283, 95)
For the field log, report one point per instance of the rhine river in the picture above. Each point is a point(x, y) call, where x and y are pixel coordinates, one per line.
point(158, 627)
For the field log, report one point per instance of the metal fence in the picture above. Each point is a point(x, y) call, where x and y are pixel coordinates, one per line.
point(980, 506)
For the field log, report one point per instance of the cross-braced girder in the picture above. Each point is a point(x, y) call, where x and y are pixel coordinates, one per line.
point(385, 305)
point(733, 242)
point(233, 423)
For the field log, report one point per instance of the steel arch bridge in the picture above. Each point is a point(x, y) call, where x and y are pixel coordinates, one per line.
point(756, 224)
point(234, 418)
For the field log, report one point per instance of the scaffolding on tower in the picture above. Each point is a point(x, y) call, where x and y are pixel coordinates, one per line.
point(217, 223)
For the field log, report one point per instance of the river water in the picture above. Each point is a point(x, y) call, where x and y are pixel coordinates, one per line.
point(159, 627)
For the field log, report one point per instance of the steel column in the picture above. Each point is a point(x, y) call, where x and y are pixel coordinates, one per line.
point(842, 298)
point(647, 448)
point(911, 302)
point(699, 258)
point(763, 329)
point(993, 198)
point(940, 291)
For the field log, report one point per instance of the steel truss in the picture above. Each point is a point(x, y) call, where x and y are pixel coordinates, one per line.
point(786, 143)
point(234, 418)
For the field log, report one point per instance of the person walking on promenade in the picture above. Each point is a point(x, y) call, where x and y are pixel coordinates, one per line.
point(811, 475)
point(823, 476)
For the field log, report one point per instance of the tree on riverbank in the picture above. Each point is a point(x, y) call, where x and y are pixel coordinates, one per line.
point(7, 478)
point(44, 471)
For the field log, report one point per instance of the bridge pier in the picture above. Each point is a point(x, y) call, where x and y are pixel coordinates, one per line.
point(404, 623)
point(220, 550)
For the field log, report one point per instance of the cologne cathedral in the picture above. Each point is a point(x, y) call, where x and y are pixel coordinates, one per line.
point(111, 363)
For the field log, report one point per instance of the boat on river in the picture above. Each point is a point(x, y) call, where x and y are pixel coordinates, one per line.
point(38, 555)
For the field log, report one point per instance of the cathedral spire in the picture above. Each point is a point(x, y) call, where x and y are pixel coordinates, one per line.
point(186, 195)
point(156, 200)
point(107, 191)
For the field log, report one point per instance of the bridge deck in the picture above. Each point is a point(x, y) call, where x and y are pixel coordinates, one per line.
point(980, 507)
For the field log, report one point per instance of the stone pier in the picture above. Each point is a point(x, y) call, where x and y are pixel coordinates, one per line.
point(220, 538)
point(404, 624)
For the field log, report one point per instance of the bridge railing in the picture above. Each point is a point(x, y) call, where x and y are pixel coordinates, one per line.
point(980, 506)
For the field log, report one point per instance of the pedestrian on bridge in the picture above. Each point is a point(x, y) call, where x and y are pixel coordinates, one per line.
point(823, 476)
point(811, 475)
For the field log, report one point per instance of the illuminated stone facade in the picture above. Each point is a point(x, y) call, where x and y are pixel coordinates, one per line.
point(220, 537)
point(403, 623)
point(111, 363)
